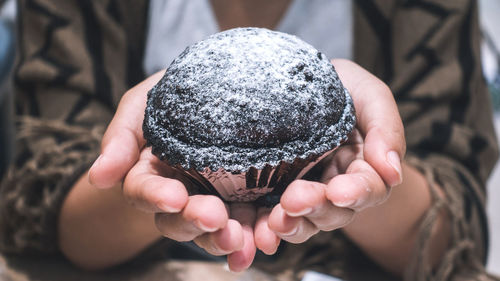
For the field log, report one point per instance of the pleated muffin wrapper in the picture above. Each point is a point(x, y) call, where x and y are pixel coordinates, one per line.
point(263, 187)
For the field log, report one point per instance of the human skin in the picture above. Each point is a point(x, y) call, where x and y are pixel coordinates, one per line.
point(136, 203)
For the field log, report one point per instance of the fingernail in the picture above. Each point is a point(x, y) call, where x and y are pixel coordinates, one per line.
point(228, 269)
point(95, 164)
point(203, 227)
point(304, 212)
point(291, 232)
point(395, 161)
point(346, 203)
point(166, 208)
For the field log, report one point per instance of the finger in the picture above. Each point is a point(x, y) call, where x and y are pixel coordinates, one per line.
point(308, 199)
point(123, 138)
point(361, 187)
point(301, 196)
point(265, 239)
point(146, 189)
point(378, 119)
point(292, 229)
point(224, 241)
point(348, 152)
point(338, 161)
point(242, 259)
point(203, 213)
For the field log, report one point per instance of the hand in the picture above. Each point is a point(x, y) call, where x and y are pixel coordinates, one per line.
point(185, 218)
point(152, 186)
point(358, 175)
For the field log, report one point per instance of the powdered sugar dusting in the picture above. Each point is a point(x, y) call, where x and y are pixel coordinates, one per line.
point(245, 98)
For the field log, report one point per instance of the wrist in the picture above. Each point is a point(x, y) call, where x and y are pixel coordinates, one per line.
point(98, 228)
point(388, 232)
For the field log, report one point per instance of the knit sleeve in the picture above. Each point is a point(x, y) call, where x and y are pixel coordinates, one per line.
point(70, 73)
point(431, 60)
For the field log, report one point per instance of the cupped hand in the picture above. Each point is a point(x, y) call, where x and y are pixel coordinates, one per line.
point(152, 186)
point(220, 229)
point(358, 175)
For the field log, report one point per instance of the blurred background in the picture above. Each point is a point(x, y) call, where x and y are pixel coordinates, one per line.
point(7, 17)
point(490, 21)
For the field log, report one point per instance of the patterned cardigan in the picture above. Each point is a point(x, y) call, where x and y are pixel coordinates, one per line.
point(75, 58)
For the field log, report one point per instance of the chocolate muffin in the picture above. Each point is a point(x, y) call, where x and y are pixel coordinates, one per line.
point(246, 111)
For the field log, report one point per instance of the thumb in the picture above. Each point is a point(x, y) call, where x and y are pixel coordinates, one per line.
point(123, 139)
point(378, 120)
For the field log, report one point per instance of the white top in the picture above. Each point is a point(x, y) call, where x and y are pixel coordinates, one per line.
point(8, 10)
point(176, 24)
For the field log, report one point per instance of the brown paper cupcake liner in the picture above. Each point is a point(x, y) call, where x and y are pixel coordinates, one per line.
point(264, 186)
